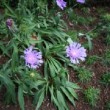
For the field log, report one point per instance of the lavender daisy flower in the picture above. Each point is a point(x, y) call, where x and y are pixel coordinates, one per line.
point(81, 1)
point(76, 52)
point(33, 59)
point(61, 4)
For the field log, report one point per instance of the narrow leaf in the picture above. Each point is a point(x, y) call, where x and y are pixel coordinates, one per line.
point(69, 96)
point(21, 97)
point(41, 98)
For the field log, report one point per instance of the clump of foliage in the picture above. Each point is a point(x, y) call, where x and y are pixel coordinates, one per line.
point(92, 95)
point(107, 57)
point(32, 36)
point(7, 83)
point(106, 16)
point(92, 59)
point(107, 106)
point(107, 20)
point(76, 18)
point(105, 79)
point(105, 27)
point(108, 39)
point(84, 75)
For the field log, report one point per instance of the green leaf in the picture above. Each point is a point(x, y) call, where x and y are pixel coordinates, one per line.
point(36, 97)
point(56, 65)
point(6, 81)
point(12, 13)
point(64, 59)
point(61, 99)
point(46, 69)
point(58, 34)
point(21, 97)
point(53, 98)
point(73, 93)
point(89, 42)
point(72, 85)
point(38, 83)
point(41, 98)
point(3, 48)
point(14, 62)
point(69, 96)
point(52, 68)
point(70, 40)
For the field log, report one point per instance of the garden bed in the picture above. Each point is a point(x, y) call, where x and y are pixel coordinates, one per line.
point(84, 20)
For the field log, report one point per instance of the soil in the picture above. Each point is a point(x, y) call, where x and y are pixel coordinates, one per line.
point(97, 68)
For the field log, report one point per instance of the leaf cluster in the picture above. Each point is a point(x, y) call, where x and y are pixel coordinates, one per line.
point(39, 27)
point(84, 75)
point(105, 79)
point(92, 95)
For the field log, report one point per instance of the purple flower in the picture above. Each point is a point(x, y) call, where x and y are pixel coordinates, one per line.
point(61, 4)
point(81, 1)
point(76, 52)
point(9, 23)
point(33, 59)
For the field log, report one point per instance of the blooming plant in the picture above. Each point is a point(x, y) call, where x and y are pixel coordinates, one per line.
point(37, 37)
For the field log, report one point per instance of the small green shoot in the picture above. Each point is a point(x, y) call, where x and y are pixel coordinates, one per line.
point(92, 95)
point(84, 75)
point(105, 79)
